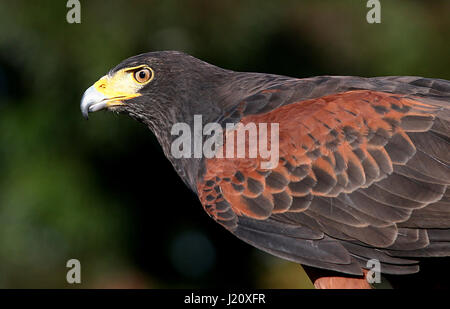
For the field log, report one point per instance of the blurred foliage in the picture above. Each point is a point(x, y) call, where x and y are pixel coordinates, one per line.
point(101, 191)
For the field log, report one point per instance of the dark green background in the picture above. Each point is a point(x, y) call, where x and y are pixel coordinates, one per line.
point(101, 191)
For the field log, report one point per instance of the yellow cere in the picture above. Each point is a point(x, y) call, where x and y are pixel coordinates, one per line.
point(121, 86)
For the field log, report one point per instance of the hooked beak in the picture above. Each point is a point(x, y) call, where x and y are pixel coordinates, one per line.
point(92, 101)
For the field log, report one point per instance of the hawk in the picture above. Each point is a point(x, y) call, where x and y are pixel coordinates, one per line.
point(363, 170)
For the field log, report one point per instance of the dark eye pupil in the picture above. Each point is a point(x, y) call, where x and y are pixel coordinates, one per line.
point(142, 74)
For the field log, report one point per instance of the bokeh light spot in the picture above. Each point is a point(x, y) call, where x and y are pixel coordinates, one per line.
point(192, 254)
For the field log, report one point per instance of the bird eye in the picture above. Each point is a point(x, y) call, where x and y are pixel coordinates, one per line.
point(143, 75)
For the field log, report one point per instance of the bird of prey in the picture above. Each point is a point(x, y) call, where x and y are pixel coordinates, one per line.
point(364, 163)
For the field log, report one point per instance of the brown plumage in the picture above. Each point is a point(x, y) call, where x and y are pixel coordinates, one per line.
point(364, 164)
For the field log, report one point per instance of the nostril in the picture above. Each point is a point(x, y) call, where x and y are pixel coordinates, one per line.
point(102, 86)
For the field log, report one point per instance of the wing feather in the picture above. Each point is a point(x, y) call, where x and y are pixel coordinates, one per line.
point(363, 173)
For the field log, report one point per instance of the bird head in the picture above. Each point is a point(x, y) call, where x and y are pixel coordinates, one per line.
point(156, 88)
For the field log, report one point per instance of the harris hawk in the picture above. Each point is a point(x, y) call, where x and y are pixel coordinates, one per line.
point(363, 170)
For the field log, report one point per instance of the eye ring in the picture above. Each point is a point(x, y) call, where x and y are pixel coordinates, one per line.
point(143, 75)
